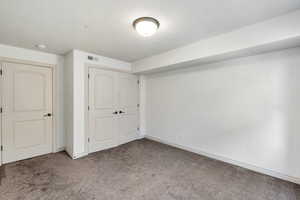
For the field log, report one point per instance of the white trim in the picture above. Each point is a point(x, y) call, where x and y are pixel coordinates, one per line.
point(230, 161)
point(139, 137)
point(125, 140)
point(69, 152)
point(54, 70)
point(106, 67)
point(60, 149)
point(1, 100)
point(80, 155)
point(86, 110)
point(54, 108)
point(74, 157)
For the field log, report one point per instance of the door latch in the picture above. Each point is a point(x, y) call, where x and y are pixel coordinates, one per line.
point(48, 115)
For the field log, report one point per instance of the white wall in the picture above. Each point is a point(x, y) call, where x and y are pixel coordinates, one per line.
point(79, 65)
point(46, 58)
point(245, 111)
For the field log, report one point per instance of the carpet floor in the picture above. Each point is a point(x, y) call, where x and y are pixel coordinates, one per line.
point(139, 170)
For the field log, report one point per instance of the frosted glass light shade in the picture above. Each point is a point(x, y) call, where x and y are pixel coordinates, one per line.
point(146, 26)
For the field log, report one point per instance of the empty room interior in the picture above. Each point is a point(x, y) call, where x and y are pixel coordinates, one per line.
point(149, 100)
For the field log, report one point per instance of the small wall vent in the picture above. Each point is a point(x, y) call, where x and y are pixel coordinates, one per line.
point(92, 58)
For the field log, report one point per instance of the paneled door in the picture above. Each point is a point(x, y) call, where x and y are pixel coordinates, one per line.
point(113, 108)
point(27, 111)
point(102, 109)
point(127, 107)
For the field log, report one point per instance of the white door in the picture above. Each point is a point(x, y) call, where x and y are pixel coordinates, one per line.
point(112, 108)
point(127, 107)
point(102, 109)
point(27, 111)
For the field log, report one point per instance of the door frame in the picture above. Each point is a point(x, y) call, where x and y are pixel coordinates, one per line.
point(54, 96)
point(86, 98)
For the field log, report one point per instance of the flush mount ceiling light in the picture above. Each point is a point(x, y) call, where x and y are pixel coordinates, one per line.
point(146, 26)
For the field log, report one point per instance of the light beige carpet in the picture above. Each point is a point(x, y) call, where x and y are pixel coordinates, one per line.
point(143, 170)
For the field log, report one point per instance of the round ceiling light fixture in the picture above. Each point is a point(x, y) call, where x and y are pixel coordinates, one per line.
point(146, 26)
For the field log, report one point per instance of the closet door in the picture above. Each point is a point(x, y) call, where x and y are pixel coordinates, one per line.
point(127, 107)
point(102, 109)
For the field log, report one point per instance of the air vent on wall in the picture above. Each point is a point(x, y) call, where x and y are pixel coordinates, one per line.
point(92, 58)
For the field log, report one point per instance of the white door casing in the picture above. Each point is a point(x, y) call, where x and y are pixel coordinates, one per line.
point(27, 99)
point(113, 108)
point(1, 93)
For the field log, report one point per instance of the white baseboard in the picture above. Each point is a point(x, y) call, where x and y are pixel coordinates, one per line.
point(127, 139)
point(123, 141)
point(228, 160)
point(59, 149)
point(69, 152)
point(80, 155)
point(139, 137)
point(74, 157)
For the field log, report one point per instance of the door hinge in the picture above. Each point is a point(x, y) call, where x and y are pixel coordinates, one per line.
point(138, 81)
point(138, 105)
point(1, 149)
point(88, 107)
point(88, 75)
point(88, 139)
point(1, 110)
point(1, 72)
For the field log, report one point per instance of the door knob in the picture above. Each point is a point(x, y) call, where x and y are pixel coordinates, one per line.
point(115, 113)
point(120, 112)
point(48, 115)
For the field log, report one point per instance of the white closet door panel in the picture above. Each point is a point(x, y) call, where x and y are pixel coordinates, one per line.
point(128, 124)
point(102, 133)
point(105, 98)
point(102, 103)
point(113, 99)
point(27, 97)
point(128, 105)
point(128, 91)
